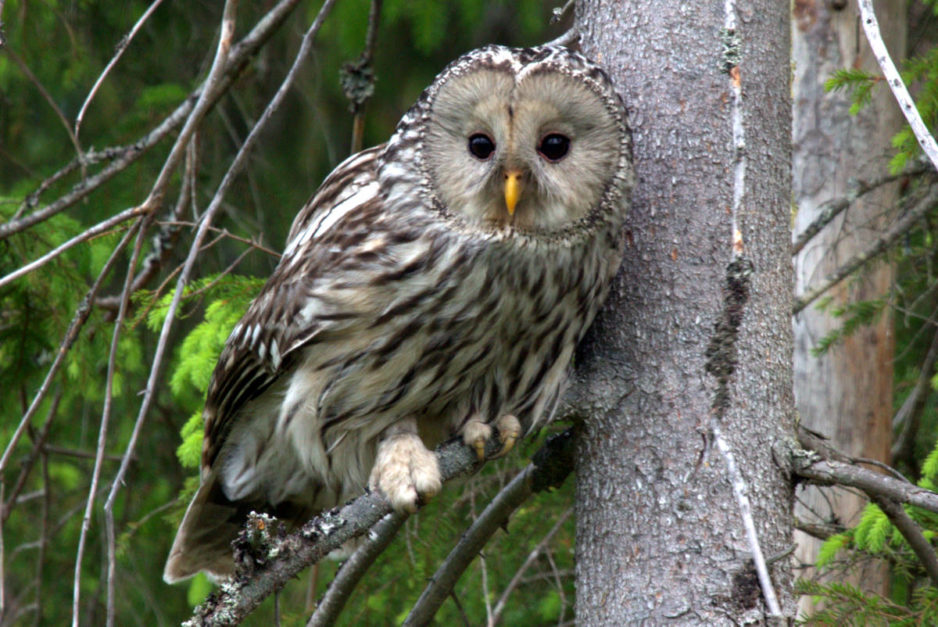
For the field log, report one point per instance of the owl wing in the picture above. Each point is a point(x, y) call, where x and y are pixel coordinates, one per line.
point(289, 312)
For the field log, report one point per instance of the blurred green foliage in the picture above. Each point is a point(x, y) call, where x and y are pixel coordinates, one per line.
point(65, 46)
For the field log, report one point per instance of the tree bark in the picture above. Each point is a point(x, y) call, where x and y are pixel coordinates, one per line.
point(845, 394)
point(659, 534)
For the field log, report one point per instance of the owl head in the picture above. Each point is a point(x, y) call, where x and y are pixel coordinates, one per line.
point(533, 139)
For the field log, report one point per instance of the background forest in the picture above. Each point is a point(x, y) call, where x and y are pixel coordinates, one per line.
point(80, 384)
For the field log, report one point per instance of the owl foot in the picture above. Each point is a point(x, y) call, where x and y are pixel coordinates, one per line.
point(405, 472)
point(476, 433)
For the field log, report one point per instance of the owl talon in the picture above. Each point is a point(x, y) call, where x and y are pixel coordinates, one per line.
point(476, 433)
point(405, 472)
point(509, 430)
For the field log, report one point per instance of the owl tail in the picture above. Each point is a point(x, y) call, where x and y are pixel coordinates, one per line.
point(203, 541)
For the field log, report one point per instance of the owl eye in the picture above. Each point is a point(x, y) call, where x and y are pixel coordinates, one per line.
point(481, 146)
point(554, 147)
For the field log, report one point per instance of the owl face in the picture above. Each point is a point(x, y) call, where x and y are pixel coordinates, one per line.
point(529, 143)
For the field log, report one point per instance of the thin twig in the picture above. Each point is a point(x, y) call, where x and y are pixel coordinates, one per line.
point(140, 228)
point(902, 226)
point(121, 47)
point(833, 208)
point(566, 39)
point(909, 415)
point(532, 556)
point(164, 241)
point(47, 97)
point(30, 461)
point(78, 321)
point(912, 533)
point(84, 236)
point(899, 90)
point(354, 569)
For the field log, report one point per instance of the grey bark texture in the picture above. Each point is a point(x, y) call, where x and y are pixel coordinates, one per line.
point(845, 394)
point(659, 534)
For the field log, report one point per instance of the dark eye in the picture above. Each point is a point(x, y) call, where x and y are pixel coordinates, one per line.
point(554, 147)
point(481, 146)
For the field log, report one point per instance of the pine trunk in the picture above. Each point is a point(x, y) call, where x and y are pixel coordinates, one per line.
point(660, 536)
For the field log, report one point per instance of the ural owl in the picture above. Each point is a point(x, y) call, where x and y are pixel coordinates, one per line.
point(434, 286)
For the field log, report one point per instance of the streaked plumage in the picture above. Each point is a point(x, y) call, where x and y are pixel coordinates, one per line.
point(409, 296)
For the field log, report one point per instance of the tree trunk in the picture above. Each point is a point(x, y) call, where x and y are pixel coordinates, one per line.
point(845, 394)
point(659, 533)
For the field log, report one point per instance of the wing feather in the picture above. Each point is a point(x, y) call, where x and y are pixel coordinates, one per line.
point(290, 311)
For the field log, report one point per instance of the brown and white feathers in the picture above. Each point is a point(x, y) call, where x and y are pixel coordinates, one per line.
point(434, 286)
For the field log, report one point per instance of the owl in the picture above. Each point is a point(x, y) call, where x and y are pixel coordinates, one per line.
point(434, 287)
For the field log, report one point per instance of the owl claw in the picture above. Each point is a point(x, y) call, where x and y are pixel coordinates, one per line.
point(476, 433)
point(509, 430)
point(405, 472)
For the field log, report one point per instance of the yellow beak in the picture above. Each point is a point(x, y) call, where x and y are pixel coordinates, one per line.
point(512, 189)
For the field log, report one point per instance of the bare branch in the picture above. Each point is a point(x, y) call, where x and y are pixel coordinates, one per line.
point(912, 533)
point(821, 465)
point(84, 236)
point(354, 568)
point(140, 227)
point(358, 78)
point(121, 47)
point(910, 413)
point(39, 443)
point(833, 208)
point(902, 226)
point(899, 90)
point(47, 97)
point(533, 555)
point(123, 156)
point(558, 451)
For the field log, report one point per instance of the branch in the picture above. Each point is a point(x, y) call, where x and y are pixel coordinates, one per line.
point(354, 568)
point(551, 465)
point(833, 208)
point(822, 465)
point(121, 47)
point(899, 90)
point(533, 555)
point(899, 228)
point(911, 532)
point(258, 578)
point(909, 415)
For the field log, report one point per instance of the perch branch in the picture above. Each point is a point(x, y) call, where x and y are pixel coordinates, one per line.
point(330, 530)
point(899, 90)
